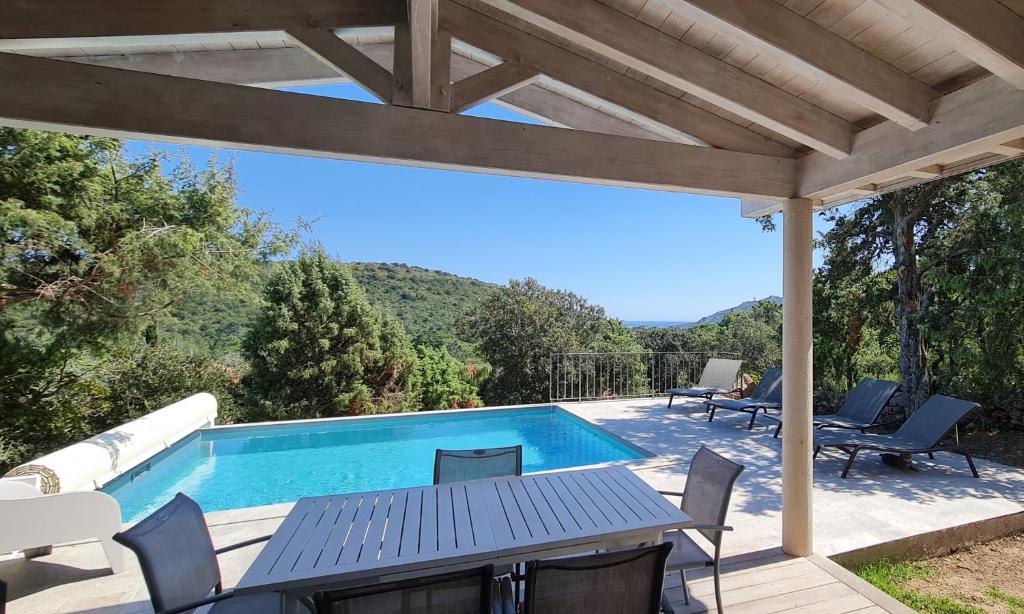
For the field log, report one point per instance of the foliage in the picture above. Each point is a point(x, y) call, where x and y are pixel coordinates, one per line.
point(93, 249)
point(427, 303)
point(520, 325)
point(320, 349)
point(444, 381)
point(927, 284)
point(893, 578)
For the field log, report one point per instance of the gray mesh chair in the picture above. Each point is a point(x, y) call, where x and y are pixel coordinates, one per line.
point(767, 395)
point(705, 499)
point(719, 377)
point(179, 562)
point(461, 592)
point(461, 465)
point(920, 434)
point(861, 408)
point(608, 583)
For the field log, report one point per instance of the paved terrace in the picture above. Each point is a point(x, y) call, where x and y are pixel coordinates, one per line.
point(875, 506)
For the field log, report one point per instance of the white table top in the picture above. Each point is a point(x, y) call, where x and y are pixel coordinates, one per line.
point(356, 539)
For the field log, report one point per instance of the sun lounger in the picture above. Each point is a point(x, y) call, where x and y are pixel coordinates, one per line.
point(767, 395)
point(719, 377)
point(861, 409)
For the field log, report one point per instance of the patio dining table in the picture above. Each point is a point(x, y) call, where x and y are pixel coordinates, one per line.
point(360, 539)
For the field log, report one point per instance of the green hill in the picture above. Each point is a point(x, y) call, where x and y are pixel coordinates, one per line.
point(428, 303)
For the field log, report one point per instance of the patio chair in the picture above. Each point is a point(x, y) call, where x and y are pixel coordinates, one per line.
point(920, 434)
point(860, 410)
point(460, 592)
point(767, 395)
point(719, 377)
point(607, 583)
point(462, 465)
point(179, 562)
point(705, 498)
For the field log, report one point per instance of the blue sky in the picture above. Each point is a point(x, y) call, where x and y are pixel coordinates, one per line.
point(643, 255)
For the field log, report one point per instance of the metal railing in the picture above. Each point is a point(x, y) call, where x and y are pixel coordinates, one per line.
point(591, 376)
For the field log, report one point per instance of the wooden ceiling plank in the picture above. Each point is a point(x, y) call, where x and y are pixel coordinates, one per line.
point(985, 31)
point(326, 47)
point(79, 98)
point(595, 26)
point(804, 46)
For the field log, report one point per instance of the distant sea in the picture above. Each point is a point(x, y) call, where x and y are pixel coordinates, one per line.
point(655, 323)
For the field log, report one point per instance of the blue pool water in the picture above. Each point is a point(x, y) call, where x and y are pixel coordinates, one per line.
point(244, 466)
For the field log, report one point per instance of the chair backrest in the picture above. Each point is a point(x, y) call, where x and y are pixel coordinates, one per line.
point(461, 592)
point(175, 552)
point(708, 489)
point(608, 583)
point(867, 400)
point(461, 465)
point(769, 389)
point(927, 426)
point(720, 373)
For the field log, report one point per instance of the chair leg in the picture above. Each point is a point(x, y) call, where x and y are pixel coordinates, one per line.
point(686, 589)
point(816, 450)
point(778, 430)
point(718, 587)
point(970, 462)
point(753, 418)
point(931, 455)
point(849, 463)
point(670, 397)
point(712, 416)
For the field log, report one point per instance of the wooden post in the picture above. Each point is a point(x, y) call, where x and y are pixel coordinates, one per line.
point(797, 380)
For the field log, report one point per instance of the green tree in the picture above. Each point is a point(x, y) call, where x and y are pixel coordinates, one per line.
point(320, 349)
point(444, 381)
point(93, 248)
point(520, 325)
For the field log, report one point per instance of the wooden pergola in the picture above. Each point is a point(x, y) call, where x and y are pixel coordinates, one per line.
point(790, 105)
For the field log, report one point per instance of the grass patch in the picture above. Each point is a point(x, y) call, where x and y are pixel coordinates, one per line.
point(893, 578)
point(1015, 604)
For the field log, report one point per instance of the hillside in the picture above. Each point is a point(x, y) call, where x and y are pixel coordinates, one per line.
point(718, 316)
point(428, 303)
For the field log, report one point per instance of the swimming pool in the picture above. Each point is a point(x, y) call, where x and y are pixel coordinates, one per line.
point(244, 466)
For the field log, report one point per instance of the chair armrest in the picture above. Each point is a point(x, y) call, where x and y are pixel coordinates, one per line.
point(242, 544)
point(670, 493)
point(188, 607)
point(710, 527)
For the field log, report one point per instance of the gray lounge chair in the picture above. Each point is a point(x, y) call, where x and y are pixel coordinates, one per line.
point(606, 583)
point(462, 465)
point(767, 395)
point(180, 566)
point(460, 592)
point(705, 498)
point(719, 377)
point(920, 434)
point(861, 409)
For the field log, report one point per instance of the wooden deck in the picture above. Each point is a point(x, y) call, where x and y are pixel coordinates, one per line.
point(768, 581)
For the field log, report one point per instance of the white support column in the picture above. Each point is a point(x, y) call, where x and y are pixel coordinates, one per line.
point(797, 380)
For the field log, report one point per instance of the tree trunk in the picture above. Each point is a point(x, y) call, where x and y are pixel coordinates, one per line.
point(913, 353)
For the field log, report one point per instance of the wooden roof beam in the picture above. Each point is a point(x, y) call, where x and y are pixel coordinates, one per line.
point(423, 58)
point(978, 118)
point(985, 31)
point(493, 82)
point(326, 47)
point(805, 47)
point(626, 40)
point(94, 18)
point(80, 98)
point(511, 43)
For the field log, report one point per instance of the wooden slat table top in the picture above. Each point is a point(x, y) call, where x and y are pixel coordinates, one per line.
point(344, 539)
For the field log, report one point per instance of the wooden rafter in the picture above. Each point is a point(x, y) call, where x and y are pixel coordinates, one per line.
point(491, 83)
point(94, 18)
point(651, 52)
point(812, 50)
point(985, 31)
point(65, 96)
point(423, 58)
point(325, 46)
point(508, 42)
